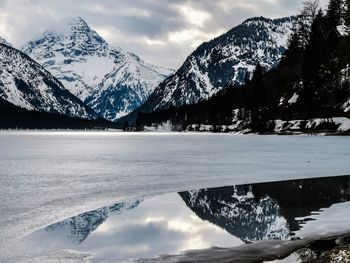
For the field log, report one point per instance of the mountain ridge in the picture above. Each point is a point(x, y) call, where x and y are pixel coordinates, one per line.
point(227, 59)
point(307, 92)
point(110, 80)
point(25, 83)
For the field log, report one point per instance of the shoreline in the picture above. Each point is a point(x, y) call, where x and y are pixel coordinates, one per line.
point(316, 126)
point(242, 133)
point(319, 248)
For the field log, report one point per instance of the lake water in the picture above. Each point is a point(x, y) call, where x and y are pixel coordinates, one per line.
point(49, 177)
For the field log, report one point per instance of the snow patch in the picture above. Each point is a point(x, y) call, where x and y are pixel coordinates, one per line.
point(293, 99)
point(343, 124)
point(343, 30)
point(164, 127)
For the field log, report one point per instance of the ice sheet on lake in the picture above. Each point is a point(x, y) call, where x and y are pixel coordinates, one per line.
point(46, 177)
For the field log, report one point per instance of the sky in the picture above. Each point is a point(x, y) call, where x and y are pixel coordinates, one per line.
point(162, 32)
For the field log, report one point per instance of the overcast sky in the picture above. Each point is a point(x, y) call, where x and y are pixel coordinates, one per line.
point(162, 32)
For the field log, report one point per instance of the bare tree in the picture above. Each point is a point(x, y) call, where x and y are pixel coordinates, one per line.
point(310, 9)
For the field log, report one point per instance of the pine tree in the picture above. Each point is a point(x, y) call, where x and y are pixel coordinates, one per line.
point(294, 49)
point(258, 88)
point(258, 99)
point(312, 67)
point(294, 43)
point(347, 13)
point(125, 126)
point(334, 13)
point(331, 88)
point(347, 23)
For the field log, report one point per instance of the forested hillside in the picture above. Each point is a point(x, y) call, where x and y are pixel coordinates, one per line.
point(311, 81)
point(14, 117)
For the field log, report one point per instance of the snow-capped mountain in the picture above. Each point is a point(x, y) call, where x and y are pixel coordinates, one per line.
point(229, 58)
point(112, 81)
point(3, 41)
point(25, 83)
point(126, 87)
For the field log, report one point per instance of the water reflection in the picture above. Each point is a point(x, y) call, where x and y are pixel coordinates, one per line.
point(269, 210)
point(78, 228)
point(197, 219)
point(162, 224)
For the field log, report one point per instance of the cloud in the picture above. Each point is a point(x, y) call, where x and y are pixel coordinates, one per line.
point(195, 17)
point(163, 32)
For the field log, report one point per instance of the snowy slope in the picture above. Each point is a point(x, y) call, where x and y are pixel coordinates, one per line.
point(229, 58)
point(26, 84)
point(113, 82)
point(126, 87)
point(3, 41)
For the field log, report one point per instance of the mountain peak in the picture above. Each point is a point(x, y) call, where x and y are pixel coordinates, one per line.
point(111, 81)
point(78, 20)
point(78, 24)
point(270, 20)
point(76, 38)
point(228, 59)
point(257, 18)
point(80, 35)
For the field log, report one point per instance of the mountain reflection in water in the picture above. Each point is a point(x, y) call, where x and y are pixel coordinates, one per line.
point(198, 219)
point(268, 210)
point(78, 228)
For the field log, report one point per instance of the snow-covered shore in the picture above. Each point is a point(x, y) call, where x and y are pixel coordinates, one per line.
point(317, 126)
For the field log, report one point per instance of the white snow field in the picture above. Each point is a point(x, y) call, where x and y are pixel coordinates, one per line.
point(46, 177)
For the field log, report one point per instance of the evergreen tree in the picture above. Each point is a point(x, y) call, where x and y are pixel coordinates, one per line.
point(312, 66)
point(347, 23)
point(294, 49)
point(125, 126)
point(258, 99)
point(347, 13)
point(294, 43)
point(330, 91)
point(258, 88)
point(334, 13)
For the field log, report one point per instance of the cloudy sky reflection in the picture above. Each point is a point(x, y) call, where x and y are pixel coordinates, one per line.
point(160, 225)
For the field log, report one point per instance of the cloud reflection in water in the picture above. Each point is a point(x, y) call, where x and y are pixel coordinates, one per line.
point(221, 217)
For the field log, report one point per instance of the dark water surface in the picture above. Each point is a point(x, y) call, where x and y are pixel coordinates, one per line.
point(198, 219)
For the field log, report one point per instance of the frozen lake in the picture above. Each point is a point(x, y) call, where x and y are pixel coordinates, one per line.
point(47, 177)
point(224, 217)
